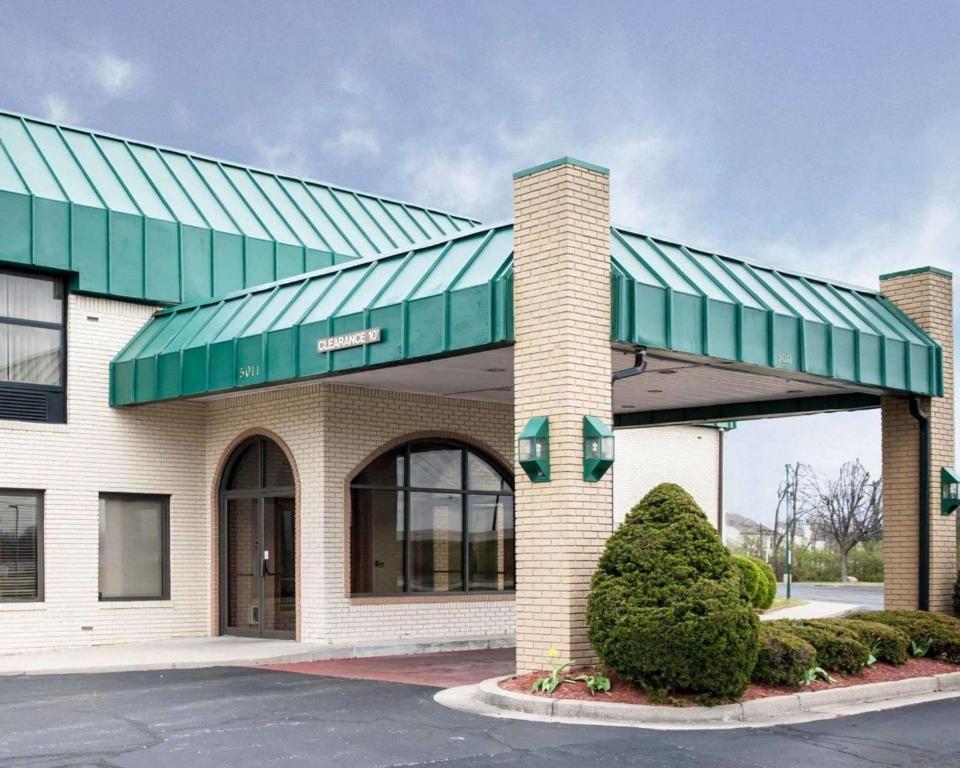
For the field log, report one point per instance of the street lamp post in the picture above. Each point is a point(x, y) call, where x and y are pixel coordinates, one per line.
point(788, 524)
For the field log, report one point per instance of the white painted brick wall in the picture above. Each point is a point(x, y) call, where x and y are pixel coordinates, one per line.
point(153, 449)
point(686, 455)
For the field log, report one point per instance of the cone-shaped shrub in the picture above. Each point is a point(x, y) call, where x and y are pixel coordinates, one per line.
point(666, 608)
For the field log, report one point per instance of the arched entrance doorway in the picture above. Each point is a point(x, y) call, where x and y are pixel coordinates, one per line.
point(257, 542)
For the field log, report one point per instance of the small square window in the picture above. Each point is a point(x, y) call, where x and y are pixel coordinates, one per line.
point(134, 547)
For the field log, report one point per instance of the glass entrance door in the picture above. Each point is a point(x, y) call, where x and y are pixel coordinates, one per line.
point(241, 532)
point(279, 586)
point(258, 574)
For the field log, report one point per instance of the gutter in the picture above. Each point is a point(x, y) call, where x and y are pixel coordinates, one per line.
point(923, 500)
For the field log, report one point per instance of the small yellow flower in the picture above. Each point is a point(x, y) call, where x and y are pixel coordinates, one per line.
point(554, 653)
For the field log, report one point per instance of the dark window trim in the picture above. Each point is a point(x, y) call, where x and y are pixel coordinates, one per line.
point(164, 500)
point(41, 597)
point(406, 489)
point(57, 414)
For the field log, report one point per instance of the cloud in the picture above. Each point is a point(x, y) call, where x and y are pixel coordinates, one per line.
point(355, 142)
point(59, 110)
point(113, 75)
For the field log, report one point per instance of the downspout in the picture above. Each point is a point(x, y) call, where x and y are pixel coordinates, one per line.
point(720, 483)
point(923, 498)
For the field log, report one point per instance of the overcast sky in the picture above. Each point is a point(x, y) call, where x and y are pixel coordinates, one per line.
point(817, 136)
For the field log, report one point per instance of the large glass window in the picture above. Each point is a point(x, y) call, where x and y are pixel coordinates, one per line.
point(431, 516)
point(134, 550)
point(21, 546)
point(31, 347)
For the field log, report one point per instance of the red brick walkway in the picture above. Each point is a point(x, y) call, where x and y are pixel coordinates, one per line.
point(438, 670)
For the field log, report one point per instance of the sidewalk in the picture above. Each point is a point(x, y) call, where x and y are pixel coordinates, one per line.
point(187, 653)
point(812, 609)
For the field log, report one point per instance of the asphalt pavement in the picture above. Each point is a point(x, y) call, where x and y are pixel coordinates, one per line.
point(868, 597)
point(241, 717)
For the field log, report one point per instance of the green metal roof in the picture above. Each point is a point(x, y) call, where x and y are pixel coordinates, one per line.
point(137, 221)
point(446, 296)
point(668, 296)
point(457, 295)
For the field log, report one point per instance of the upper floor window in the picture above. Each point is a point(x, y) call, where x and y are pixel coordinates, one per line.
point(32, 353)
point(431, 516)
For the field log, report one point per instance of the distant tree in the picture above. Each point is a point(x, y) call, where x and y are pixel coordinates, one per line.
point(848, 509)
point(799, 488)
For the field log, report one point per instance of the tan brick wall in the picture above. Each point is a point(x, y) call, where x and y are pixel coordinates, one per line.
point(151, 449)
point(331, 431)
point(927, 298)
point(562, 369)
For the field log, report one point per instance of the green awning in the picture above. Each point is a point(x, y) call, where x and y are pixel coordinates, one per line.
point(444, 297)
point(668, 296)
point(456, 296)
point(136, 221)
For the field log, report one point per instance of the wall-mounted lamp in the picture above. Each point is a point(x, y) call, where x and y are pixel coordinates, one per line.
point(533, 449)
point(597, 448)
point(949, 490)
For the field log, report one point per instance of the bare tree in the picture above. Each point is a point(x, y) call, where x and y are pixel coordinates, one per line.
point(799, 488)
point(849, 509)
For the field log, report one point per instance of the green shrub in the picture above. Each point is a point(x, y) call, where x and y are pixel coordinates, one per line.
point(885, 642)
point(784, 656)
point(666, 608)
point(767, 592)
point(956, 596)
point(838, 649)
point(750, 579)
point(942, 632)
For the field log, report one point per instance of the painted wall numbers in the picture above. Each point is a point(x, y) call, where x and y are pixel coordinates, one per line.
point(784, 358)
point(249, 371)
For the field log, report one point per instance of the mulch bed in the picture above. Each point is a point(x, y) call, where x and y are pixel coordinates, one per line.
point(629, 693)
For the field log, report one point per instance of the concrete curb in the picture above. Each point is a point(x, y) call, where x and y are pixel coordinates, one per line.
point(489, 698)
point(312, 653)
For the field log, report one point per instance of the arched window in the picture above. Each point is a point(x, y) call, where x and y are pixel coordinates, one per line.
point(431, 516)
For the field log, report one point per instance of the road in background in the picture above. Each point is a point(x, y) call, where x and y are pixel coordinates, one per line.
point(867, 596)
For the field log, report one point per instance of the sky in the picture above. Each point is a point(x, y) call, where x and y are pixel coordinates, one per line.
point(819, 136)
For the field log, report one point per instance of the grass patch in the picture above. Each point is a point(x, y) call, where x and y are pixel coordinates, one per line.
point(783, 602)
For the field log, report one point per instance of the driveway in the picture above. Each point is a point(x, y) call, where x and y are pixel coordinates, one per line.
point(870, 598)
point(241, 717)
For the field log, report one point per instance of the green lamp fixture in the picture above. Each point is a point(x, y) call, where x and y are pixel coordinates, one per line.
point(533, 449)
point(949, 490)
point(597, 448)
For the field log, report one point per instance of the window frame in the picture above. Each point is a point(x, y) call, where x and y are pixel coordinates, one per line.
point(464, 492)
point(41, 562)
point(164, 500)
point(57, 414)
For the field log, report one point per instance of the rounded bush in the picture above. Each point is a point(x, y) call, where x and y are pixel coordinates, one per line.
point(885, 642)
point(768, 581)
point(666, 608)
point(942, 632)
point(784, 656)
point(751, 579)
point(838, 649)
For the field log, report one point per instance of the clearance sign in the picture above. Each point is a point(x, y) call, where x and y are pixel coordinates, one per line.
point(347, 340)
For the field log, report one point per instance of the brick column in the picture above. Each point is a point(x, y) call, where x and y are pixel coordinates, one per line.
point(562, 369)
point(926, 296)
